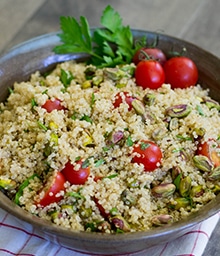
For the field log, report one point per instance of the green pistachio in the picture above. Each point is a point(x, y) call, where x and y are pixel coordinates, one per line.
point(185, 186)
point(149, 99)
point(120, 223)
point(181, 202)
point(197, 191)
point(178, 111)
point(202, 163)
point(214, 174)
point(163, 190)
point(162, 219)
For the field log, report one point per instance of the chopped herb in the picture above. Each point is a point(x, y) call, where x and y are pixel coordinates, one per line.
point(85, 163)
point(99, 162)
point(74, 115)
point(45, 91)
point(177, 150)
point(177, 180)
point(22, 187)
point(33, 103)
point(86, 118)
point(77, 158)
point(129, 141)
point(144, 145)
point(66, 77)
point(92, 100)
point(183, 138)
point(113, 211)
point(75, 194)
point(200, 110)
point(42, 126)
point(10, 90)
point(111, 176)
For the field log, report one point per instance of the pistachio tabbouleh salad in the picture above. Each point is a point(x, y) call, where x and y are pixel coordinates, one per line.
point(88, 149)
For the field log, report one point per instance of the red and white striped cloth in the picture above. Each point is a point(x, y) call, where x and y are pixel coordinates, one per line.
point(17, 238)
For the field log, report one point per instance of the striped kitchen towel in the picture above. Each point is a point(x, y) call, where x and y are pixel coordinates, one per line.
point(22, 240)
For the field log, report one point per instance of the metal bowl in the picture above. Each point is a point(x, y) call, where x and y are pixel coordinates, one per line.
point(36, 54)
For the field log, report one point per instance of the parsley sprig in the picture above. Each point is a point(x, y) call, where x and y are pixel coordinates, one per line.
point(110, 45)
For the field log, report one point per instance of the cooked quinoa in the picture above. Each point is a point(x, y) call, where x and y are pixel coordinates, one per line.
point(119, 195)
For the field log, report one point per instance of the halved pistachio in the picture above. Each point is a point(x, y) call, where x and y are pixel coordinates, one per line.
point(162, 219)
point(174, 123)
point(96, 80)
point(87, 84)
point(119, 222)
point(90, 72)
point(138, 107)
point(199, 133)
point(197, 191)
point(113, 73)
point(181, 202)
point(210, 103)
point(214, 174)
point(178, 111)
point(149, 99)
point(185, 186)
point(202, 163)
point(163, 190)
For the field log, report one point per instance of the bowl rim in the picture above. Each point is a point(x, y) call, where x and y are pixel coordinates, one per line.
point(47, 226)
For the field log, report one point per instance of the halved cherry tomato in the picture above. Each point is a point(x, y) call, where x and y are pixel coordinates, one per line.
point(121, 97)
point(54, 186)
point(180, 72)
point(147, 153)
point(210, 149)
point(51, 105)
point(149, 74)
point(151, 53)
point(76, 176)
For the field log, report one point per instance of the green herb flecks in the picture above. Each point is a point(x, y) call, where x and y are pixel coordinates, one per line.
point(86, 118)
point(66, 77)
point(113, 44)
point(22, 187)
point(144, 145)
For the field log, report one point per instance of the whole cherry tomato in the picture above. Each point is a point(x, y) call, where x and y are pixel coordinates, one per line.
point(149, 53)
point(147, 153)
point(51, 105)
point(52, 189)
point(180, 72)
point(210, 149)
point(121, 97)
point(76, 176)
point(149, 74)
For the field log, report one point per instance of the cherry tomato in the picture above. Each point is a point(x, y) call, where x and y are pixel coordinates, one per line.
point(211, 150)
point(51, 105)
point(180, 72)
point(147, 153)
point(76, 176)
point(121, 97)
point(149, 74)
point(152, 53)
point(52, 188)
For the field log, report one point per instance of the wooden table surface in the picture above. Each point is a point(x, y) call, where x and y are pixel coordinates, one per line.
point(196, 21)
